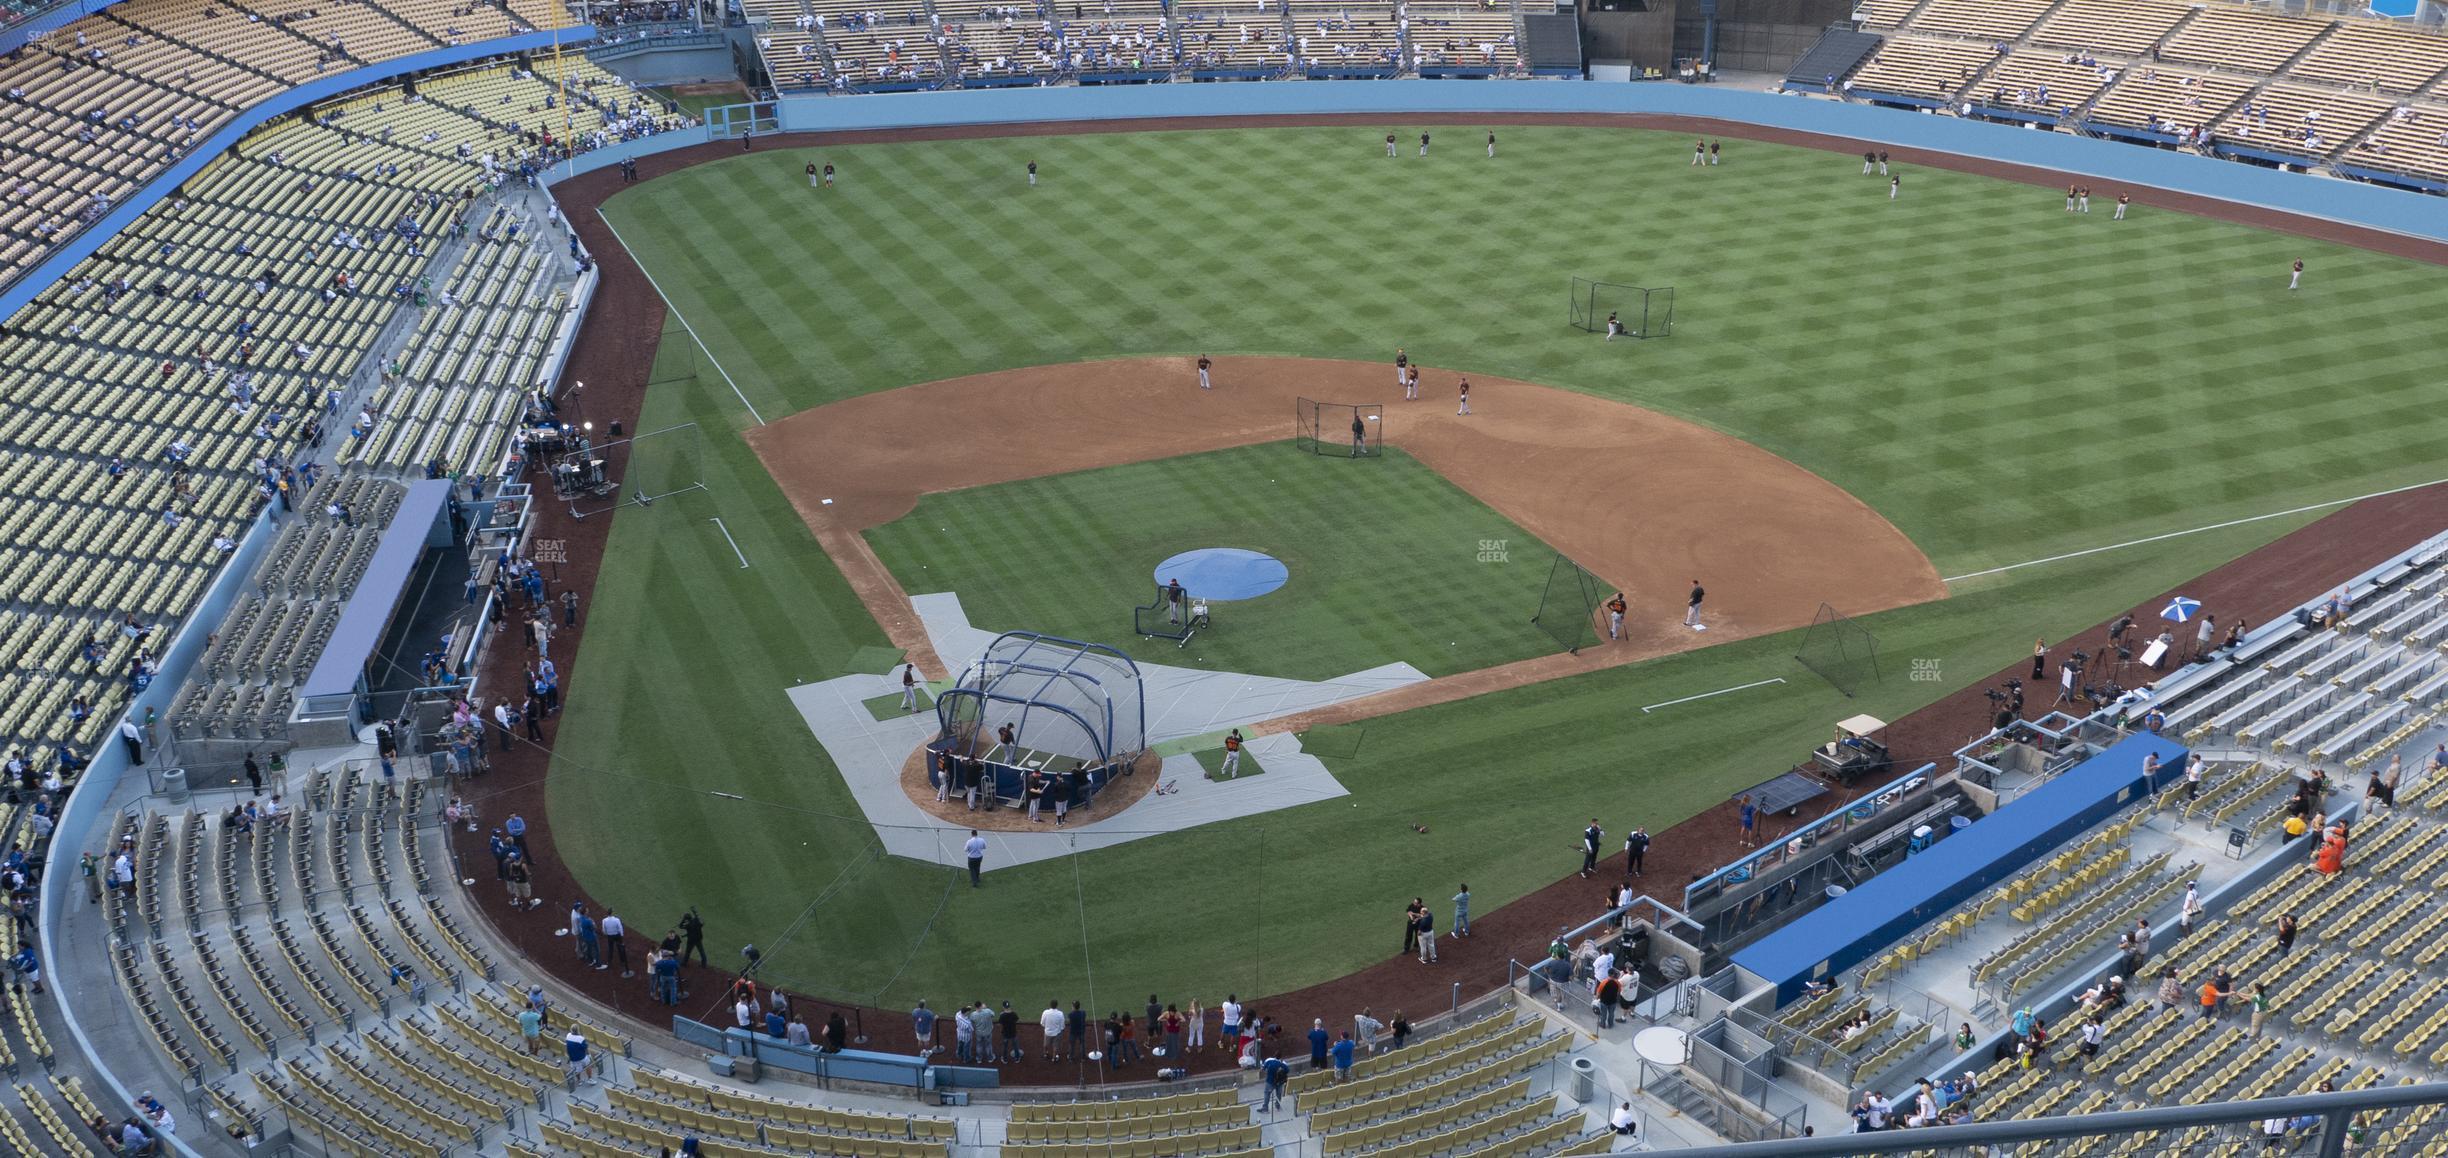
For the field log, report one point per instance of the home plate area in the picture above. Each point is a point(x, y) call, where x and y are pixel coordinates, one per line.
point(1186, 710)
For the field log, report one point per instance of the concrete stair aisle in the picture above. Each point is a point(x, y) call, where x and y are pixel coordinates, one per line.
point(950, 66)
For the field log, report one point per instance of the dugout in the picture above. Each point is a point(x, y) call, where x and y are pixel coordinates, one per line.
point(1076, 711)
point(1858, 925)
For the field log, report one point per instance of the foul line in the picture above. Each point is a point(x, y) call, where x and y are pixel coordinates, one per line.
point(718, 525)
point(675, 312)
point(2195, 530)
point(1718, 692)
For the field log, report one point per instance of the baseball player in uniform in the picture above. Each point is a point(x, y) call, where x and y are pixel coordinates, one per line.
point(2295, 276)
point(1491, 142)
point(811, 172)
point(1359, 435)
point(1712, 152)
point(1032, 174)
point(2082, 200)
point(1691, 611)
point(1423, 144)
point(1869, 163)
point(1465, 398)
point(1411, 385)
point(2123, 199)
point(2069, 199)
point(1203, 365)
point(1402, 365)
point(1895, 188)
point(1882, 162)
point(909, 687)
point(828, 175)
point(1232, 753)
point(1389, 144)
point(1614, 326)
point(1615, 613)
point(1699, 152)
point(1173, 600)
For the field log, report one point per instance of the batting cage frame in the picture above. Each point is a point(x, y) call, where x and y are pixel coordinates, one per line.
point(1646, 311)
point(655, 464)
point(1840, 651)
point(1570, 604)
point(1077, 699)
point(1328, 428)
point(1154, 621)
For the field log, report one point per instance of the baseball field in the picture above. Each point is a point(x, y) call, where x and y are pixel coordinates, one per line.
point(1971, 377)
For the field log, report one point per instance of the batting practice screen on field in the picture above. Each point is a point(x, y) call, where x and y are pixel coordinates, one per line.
point(1339, 429)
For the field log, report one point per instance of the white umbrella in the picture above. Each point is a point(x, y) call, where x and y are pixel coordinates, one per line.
point(2180, 609)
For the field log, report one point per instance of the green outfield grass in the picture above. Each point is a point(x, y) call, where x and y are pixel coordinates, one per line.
point(1384, 556)
point(2001, 379)
point(696, 103)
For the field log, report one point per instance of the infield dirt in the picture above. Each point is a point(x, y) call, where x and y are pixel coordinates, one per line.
point(1646, 502)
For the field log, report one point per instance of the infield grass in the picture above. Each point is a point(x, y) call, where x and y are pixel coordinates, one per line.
point(2001, 379)
point(1385, 556)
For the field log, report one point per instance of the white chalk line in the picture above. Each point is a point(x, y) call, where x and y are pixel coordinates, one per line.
point(1718, 692)
point(2196, 530)
point(684, 322)
point(718, 525)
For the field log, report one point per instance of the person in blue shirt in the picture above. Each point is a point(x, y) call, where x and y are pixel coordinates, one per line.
point(667, 978)
point(1317, 1044)
point(776, 1026)
point(576, 1046)
point(583, 926)
point(922, 1026)
point(1343, 1058)
point(1276, 1074)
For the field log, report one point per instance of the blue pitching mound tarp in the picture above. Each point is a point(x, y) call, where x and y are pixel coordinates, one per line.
point(1856, 926)
point(1218, 573)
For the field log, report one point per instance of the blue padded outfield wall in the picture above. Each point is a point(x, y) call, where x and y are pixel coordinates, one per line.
point(1856, 926)
point(322, 88)
point(2102, 161)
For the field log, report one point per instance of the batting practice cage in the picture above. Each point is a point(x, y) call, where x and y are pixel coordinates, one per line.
point(1069, 707)
point(1645, 313)
point(1173, 614)
point(1571, 606)
point(1339, 429)
point(594, 477)
point(1843, 652)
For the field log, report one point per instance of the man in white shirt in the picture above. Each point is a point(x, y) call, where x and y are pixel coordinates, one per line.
point(615, 941)
point(1231, 1011)
point(1052, 1023)
point(1624, 1121)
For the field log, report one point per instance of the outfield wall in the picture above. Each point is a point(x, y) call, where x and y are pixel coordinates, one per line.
point(2103, 162)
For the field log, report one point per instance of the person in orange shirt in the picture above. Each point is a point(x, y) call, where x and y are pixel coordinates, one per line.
point(1232, 753)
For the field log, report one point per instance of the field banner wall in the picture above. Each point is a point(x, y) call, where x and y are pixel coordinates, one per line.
point(2104, 162)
